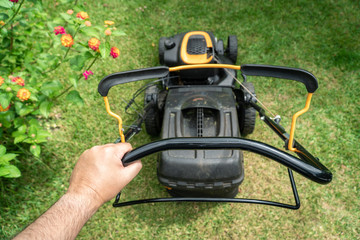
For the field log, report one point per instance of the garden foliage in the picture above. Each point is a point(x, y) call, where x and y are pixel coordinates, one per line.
point(33, 46)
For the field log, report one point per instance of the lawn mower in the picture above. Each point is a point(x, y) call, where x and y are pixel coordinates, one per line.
point(202, 113)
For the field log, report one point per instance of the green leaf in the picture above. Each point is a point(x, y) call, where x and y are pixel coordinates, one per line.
point(6, 158)
point(9, 171)
point(3, 16)
point(25, 110)
point(22, 129)
point(91, 32)
point(5, 99)
point(105, 49)
point(2, 150)
point(6, 4)
point(66, 1)
point(73, 81)
point(117, 33)
point(32, 130)
point(6, 118)
point(35, 123)
point(78, 62)
point(50, 88)
point(29, 140)
point(45, 108)
point(19, 122)
point(20, 138)
point(66, 17)
point(43, 134)
point(35, 150)
point(74, 97)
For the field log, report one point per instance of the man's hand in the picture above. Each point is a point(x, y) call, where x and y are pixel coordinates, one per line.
point(97, 177)
point(100, 174)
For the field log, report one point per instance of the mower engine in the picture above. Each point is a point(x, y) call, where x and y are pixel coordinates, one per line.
point(198, 103)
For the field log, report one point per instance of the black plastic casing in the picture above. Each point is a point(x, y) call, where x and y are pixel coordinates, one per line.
point(212, 173)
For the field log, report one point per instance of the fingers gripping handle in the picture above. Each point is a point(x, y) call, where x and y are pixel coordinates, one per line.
point(295, 74)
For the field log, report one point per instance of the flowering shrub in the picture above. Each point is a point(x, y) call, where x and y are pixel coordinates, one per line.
point(28, 57)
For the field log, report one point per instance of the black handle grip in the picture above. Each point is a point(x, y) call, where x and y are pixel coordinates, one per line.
point(300, 75)
point(130, 76)
point(314, 171)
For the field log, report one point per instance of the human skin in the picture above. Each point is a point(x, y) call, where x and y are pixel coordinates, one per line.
point(97, 177)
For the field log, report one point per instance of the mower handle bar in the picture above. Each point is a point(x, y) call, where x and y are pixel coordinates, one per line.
point(130, 76)
point(295, 74)
point(314, 171)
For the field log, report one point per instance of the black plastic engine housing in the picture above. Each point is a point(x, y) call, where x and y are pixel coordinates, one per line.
point(201, 111)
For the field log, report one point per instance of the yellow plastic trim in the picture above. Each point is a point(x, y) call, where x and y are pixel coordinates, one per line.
point(195, 59)
point(293, 122)
point(107, 106)
point(185, 67)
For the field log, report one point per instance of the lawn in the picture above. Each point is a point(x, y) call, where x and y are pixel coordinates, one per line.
point(319, 36)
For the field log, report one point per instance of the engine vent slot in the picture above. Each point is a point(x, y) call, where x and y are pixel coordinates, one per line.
point(200, 122)
point(196, 45)
point(200, 118)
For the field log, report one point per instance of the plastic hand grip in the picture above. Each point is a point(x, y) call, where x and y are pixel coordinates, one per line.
point(295, 74)
point(130, 76)
point(314, 171)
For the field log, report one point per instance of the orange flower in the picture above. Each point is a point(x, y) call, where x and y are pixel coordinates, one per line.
point(82, 15)
point(19, 81)
point(87, 23)
point(23, 94)
point(94, 44)
point(114, 52)
point(4, 109)
point(67, 40)
point(70, 11)
point(108, 32)
point(2, 23)
point(107, 22)
point(1, 81)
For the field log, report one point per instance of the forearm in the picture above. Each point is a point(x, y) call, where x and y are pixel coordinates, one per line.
point(63, 220)
point(97, 177)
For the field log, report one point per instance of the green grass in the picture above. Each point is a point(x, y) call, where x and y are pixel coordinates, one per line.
point(319, 36)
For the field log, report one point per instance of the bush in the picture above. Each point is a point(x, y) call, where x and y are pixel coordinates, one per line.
point(33, 46)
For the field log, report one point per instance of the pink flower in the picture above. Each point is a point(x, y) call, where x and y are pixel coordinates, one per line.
point(59, 30)
point(87, 73)
point(19, 81)
point(114, 52)
point(70, 11)
point(14, 1)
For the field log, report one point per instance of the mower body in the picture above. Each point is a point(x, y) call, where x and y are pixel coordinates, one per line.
point(203, 115)
point(197, 103)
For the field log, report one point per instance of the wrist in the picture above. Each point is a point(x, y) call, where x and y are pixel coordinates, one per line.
point(89, 199)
